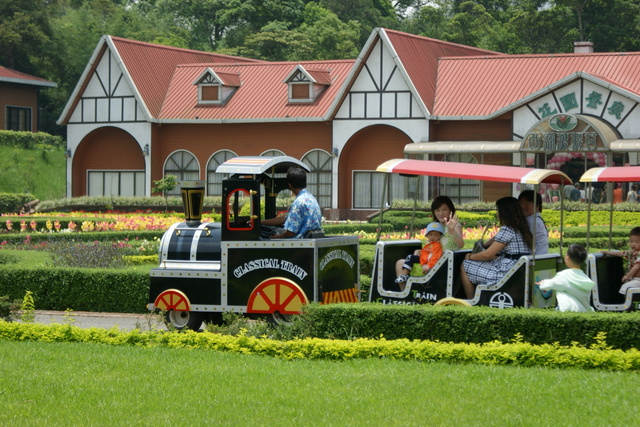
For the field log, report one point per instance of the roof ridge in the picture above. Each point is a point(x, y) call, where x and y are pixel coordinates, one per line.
point(263, 64)
point(541, 55)
point(443, 42)
point(181, 49)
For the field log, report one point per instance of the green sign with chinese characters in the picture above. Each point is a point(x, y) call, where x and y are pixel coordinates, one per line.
point(564, 133)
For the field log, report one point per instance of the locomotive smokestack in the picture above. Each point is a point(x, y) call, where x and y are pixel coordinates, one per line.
point(192, 199)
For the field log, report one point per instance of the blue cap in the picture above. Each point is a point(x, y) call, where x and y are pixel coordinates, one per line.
point(435, 226)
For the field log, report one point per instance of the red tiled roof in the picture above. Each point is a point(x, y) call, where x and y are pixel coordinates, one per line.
point(494, 83)
point(151, 66)
point(322, 77)
point(13, 76)
point(262, 94)
point(420, 56)
point(229, 79)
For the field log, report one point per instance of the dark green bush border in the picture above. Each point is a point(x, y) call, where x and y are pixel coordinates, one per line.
point(470, 324)
point(114, 291)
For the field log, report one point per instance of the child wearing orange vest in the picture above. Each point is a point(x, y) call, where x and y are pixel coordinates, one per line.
point(428, 256)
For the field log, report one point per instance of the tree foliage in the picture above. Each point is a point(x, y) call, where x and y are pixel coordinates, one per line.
point(54, 39)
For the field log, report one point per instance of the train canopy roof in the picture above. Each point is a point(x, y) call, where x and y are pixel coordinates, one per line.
point(474, 171)
point(612, 174)
point(259, 165)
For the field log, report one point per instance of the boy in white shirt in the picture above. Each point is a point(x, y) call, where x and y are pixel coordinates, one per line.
point(573, 287)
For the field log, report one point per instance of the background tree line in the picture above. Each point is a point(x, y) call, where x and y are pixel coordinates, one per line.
point(54, 39)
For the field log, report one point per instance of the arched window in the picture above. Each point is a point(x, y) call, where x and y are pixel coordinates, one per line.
point(319, 179)
point(284, 193)
point(214, 180)
point(274, 153)
point(184, 166)
point(459, 190)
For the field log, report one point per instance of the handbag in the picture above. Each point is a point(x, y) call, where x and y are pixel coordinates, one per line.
point(478, 246)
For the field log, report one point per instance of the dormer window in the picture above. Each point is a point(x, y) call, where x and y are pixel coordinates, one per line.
point(305, 86)
point(209, 93)
point(215, 88)
point(300, 91)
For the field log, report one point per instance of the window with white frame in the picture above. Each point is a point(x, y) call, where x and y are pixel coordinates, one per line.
point(214, 180)
point(459, 190)
point(116, 183)
point(184, 166)
point(319, 179)
point(368, 187)
point(270, 153)
point(300, 92)
point(18, 118)
point(209, 93)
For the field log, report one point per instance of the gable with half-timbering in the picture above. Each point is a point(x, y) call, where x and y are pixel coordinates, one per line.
point(108, 96)
point(380, 91)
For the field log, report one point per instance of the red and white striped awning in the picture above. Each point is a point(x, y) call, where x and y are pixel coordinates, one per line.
point(474, 171)
point(612, 174)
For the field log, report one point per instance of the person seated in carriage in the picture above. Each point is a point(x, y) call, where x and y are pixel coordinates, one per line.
point(632, 278)
point(513, 240)
point(427, 257)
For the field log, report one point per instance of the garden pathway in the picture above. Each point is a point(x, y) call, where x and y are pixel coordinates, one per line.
point(87, 319)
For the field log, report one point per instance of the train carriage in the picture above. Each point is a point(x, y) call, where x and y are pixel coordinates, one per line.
point(442, 284)
point(605, 270)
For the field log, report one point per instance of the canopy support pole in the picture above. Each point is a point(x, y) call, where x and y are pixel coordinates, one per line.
point(384, 190)
point(413, 214)
point(589, 196)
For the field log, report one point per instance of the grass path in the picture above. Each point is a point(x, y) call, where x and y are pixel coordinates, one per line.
point(89, 384)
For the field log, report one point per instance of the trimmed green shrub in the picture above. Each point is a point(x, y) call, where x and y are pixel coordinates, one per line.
point(20, 139)
point(12, 203)
point(470, 324)
point(355, 228)
point(119, 291)
point(598, 356)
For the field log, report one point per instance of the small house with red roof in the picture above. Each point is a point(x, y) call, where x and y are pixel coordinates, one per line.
point(142, 111)
point(19, 99)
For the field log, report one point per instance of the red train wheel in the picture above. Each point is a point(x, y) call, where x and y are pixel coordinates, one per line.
point(277, 296)
point(172, 299)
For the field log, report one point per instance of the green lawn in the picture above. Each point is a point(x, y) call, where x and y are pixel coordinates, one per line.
point(39, 171)
point(89, 384)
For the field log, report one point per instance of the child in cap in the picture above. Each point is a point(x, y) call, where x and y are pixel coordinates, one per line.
point(428, 256)
point(573, 287)
point(632, 278)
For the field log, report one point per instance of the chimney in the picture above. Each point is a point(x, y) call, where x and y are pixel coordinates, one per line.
point(193, 199)
point(583, 47)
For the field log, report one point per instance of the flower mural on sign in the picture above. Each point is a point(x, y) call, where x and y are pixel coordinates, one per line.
point(563, 122)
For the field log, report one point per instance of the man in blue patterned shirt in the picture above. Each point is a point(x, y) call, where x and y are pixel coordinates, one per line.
point(304, 214)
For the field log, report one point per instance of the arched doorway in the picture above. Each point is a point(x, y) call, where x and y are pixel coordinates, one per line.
point(108, 162)
point(571, 143)
point(364, 151)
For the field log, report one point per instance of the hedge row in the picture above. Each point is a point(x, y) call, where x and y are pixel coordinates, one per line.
point(115, 291)
point(354, 228)
point(127, 291)
point(470, 324)
point(515, 354)
point(13, 202)
point(29, 139)
point(402, 219)
point(101, 236)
